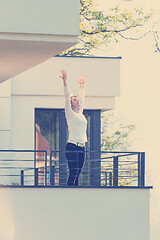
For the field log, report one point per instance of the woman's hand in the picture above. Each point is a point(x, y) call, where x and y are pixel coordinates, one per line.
point(64, 77)
point(82, 80)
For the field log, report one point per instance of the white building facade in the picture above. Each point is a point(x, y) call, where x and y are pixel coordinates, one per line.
point(33, 120)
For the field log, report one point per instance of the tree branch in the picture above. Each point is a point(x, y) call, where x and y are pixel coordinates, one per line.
point(156, 38)
point(114, 30)
point(84, 7)
point(130, 38)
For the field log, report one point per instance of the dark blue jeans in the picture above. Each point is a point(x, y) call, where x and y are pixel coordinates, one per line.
point(75, 156)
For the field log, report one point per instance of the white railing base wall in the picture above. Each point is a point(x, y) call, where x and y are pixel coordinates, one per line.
point(72, 213)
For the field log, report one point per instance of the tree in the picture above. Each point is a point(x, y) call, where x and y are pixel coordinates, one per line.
point(115, 137)
point(98, 28)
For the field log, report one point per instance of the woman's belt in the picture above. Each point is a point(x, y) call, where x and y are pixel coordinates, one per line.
point(77, 143)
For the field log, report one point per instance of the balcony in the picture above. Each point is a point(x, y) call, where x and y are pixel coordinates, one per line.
point(32, 31)
point(42, 169)
point(37, 204)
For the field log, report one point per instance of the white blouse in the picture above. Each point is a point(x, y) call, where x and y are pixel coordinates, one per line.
point(77, 123)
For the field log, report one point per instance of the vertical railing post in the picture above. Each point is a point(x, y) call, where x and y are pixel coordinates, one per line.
point(110, 179)
point(36, 177)
point(139, 170)
point(52, 181)
point(52, 171)
point(50, 168)
point(22, 177)
point(45, 173)
point(115, 171)
point(143, 169)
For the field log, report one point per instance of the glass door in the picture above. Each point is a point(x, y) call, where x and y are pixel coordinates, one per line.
point(51, 135)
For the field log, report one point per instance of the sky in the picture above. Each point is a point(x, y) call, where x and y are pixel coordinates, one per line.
point(139, 100)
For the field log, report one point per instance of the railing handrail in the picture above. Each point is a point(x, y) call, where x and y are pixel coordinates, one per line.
point(21, 150)
point(97, 151)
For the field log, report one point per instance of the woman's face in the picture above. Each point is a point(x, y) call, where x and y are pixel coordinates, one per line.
point(75, 102)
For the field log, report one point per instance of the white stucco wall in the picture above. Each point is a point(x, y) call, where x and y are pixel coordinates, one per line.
point(32, 31)
point(88, 214)
point(42, 87)
point(102, 80)
point(102, 77)
point(5, 118)
point(39, 17)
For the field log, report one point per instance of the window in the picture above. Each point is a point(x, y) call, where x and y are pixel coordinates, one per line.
point(51, 135)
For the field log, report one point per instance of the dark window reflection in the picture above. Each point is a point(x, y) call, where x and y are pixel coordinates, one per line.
point(47, 137)
point(47, 121)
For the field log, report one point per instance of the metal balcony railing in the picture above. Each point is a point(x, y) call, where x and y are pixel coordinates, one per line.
point(101, 169)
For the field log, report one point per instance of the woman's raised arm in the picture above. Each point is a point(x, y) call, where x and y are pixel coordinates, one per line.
point(81, 94)
point(64, 77)
point(66, 92)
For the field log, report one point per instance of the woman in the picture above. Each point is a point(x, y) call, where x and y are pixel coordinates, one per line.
point(77, 125)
